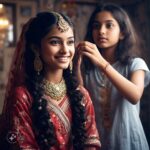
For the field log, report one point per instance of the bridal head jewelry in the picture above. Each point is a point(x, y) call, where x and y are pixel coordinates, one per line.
point(55, 91)
point(61, 23)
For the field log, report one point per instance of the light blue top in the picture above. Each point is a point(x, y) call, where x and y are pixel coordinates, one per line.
point(126, 131)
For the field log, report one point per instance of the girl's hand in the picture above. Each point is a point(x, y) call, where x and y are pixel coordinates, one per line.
point(91, 51)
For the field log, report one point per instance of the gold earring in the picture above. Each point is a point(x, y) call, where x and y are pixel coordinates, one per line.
point(38, 65)
point(71, 66)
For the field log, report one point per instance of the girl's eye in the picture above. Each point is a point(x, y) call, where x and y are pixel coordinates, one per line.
point(70, 42)
point(55, 42)
point(109, 25)
point(96, 26)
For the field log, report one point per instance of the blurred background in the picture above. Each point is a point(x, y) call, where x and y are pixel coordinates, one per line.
point(14, 13)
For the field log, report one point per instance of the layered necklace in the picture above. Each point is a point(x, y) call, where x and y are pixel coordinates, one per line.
point(55, 90)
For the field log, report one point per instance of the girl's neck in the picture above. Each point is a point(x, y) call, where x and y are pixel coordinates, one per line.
point(54, 76)
point(109, 55)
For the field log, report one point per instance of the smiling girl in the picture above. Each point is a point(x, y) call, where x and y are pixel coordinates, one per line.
point(45, 108)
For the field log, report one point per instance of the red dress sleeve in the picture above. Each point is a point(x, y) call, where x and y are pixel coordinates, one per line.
point(93, 139)
point(22, 129)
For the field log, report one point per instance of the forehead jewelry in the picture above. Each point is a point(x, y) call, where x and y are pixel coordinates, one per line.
point(61, 23)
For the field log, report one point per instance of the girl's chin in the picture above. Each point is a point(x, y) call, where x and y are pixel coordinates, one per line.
point(64, 66)
point(102, 46)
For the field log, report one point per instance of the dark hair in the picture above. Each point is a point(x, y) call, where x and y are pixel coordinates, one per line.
point(129, 46)
point(44, 128)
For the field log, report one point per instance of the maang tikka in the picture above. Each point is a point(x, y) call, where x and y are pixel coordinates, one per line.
point(61, 23)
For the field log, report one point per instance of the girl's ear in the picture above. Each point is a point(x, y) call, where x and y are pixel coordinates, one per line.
point(121, 36)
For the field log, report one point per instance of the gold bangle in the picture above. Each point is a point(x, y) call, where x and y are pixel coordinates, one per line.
point(106, 66)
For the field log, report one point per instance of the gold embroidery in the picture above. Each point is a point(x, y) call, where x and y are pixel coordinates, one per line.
point(93, 140)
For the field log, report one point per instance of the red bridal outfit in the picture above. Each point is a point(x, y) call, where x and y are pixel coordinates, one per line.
point(61, 117)
point(17, 131)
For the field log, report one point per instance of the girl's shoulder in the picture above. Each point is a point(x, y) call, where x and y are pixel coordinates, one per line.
point(140, 64)
point(138, 59)
point(21, 90)
point(22, 93)
point(137, 64)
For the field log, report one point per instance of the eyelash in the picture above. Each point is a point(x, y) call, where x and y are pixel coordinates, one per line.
point(57, 42)
point(108, 25)
point(71, 42)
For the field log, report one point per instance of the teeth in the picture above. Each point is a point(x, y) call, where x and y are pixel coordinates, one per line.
point(63, 58)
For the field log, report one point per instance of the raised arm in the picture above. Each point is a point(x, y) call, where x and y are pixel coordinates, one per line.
point(131, 89)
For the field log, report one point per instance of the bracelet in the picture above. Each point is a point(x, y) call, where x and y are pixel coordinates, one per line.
point(106, 66)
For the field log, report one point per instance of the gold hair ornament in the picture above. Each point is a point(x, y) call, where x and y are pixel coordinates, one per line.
point(61, 23)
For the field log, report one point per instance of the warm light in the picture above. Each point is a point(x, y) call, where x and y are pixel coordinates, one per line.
point(1, 6)
point(4, 22)
point(4, 25)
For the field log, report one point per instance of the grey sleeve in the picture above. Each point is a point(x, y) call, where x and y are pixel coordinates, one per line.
point(139, 64)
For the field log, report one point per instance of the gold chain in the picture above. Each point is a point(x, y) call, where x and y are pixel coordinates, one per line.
point(55, 91)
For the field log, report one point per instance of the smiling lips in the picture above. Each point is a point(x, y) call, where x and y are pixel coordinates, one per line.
point(63, 59)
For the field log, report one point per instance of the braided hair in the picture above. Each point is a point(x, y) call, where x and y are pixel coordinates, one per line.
point(44, 129)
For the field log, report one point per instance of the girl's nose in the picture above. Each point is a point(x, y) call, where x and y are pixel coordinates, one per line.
point(64, 48)
point(102, 29)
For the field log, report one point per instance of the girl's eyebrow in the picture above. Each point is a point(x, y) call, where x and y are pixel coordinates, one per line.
point(57, 37)
point(96, 21)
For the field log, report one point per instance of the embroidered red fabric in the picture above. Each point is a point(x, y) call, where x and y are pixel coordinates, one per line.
point(16, 74)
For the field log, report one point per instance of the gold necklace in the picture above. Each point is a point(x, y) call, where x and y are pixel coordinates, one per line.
point(55, 90)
